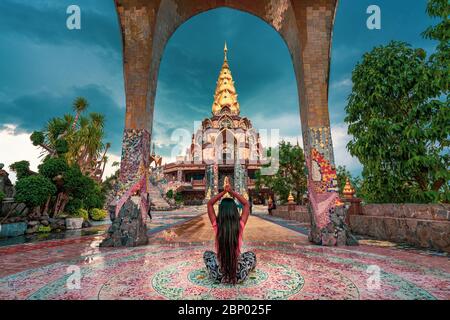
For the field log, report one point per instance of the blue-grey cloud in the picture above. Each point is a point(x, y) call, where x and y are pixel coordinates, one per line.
point(45, 22)
point(31, 112)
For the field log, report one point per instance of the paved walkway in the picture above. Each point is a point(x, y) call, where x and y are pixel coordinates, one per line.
point(171, 267)
point(199, 230)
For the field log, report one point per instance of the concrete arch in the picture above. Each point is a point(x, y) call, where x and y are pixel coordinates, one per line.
point(306, 27)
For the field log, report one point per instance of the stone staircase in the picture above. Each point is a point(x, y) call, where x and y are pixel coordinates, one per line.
point(158, 202)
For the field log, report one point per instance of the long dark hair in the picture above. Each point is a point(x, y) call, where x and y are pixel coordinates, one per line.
point(228, 222)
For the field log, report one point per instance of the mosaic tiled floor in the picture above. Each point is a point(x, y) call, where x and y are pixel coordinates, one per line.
point(176, 272)
point(288, 268)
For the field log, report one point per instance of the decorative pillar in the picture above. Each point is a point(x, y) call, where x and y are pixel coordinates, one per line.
point(209, 174)
point(216, 178)
point(128, 226)
point(180, 175)
point(328, 213)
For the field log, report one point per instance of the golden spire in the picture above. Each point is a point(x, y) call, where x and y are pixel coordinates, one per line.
point(225, 95)
point(291, 197)
point(348, 191)
point(225, 50)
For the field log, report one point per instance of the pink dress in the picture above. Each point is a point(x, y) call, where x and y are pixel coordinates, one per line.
point(241, 232)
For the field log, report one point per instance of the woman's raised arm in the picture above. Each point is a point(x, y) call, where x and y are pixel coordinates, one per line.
point(245, 205)
point(211, 203)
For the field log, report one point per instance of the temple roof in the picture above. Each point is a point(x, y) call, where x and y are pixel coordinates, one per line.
point(225, 97)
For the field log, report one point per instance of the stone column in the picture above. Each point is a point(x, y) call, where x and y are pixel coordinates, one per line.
point(315, 21)
point(216, 178)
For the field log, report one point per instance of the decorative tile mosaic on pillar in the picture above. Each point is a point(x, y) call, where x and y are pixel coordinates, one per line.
point(327, 211)
point(134, 167)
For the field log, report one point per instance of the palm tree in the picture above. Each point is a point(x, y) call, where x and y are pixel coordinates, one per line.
point(80, 104)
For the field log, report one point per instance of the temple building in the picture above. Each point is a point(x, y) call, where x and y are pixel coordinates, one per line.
point(225, 145)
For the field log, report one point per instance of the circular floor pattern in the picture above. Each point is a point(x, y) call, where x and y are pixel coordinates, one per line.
point(164, 272)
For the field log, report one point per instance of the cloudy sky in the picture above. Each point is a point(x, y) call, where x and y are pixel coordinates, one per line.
point(44, 66)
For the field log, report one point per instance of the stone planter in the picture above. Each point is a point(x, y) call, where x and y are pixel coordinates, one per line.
point(74, 223)
point(13, 229)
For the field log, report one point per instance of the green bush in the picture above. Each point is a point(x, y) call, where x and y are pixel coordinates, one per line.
point(37, 138)
point(98, 214)
point(2, 196)
point(169, 194)
point(78, 185)
point(34, 190)
point(95, 199)
point(74, 205)
point(53, 167)
point(81, 213)
point(178, 197)
point(61, 146)
point(44, 229)
point(21, 168)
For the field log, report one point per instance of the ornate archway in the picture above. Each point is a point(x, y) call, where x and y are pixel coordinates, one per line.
point(305, 25)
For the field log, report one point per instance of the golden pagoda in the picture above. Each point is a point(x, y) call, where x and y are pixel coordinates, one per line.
point(210, 161)
point(225, 97)
point(348, 191)
point(290, 198)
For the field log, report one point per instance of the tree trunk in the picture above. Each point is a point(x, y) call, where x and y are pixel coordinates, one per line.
point(57, 204)
point(65, 201)
point(47, 204)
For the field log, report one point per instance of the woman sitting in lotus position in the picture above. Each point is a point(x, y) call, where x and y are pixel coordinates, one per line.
point(229, 265)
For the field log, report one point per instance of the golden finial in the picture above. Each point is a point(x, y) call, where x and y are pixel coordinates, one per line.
point(348, 191)
point(291, 197)
point(225, 50)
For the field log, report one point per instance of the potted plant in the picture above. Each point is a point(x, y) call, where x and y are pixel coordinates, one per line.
point(75, 220)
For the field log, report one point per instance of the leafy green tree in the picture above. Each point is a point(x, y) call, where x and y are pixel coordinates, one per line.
point(96, 197)
point(53, 167)
point(34, 190)
point(80, 105)
point(22, 169)
point(78, 139)
point(291, 175)
point(399, 126)
point(440, 60)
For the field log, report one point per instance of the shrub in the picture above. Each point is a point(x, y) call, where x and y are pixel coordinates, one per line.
point(34, 190)
point(74, 205)
point(61, 146)
point(44, 229)
point(37, 138)
point(78, 185)
point(53, 167)
point(95, 199)
point(81, 213)
point(98, 214)
point(169, 194)
point(178, 197)
point(21, 168)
